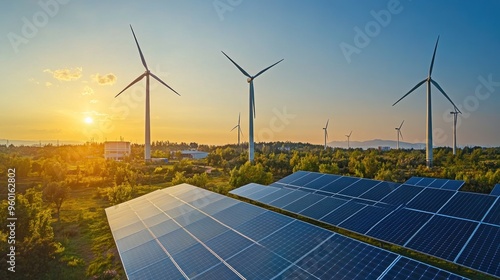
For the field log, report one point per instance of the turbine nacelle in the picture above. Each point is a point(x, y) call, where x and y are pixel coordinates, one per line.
point(249, 80)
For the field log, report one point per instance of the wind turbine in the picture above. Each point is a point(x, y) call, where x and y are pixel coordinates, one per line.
point(252, 104)
point(348, 136)
point(455, 115)
point(326, 131)
point(398, 129)
point(429, 81)
point(147, 74)
point(239, 130)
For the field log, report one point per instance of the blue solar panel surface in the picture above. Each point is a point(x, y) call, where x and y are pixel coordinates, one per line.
point(238, 241)
point(496, 190)
point(424, 214)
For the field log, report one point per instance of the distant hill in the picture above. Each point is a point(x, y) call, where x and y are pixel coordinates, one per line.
point(37, 143)
point(376, 143)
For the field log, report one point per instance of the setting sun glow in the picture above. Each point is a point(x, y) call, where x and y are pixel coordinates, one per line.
point(88, 120)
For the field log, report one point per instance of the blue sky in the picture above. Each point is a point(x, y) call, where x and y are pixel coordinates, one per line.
point(51, 75)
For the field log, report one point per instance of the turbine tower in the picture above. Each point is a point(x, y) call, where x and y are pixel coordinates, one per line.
point(429, 80)
point(455, 115)
point(348, 136)
point(398, 129)
point(326, 131)
point(239, 130)
point(147, 74)
point(252, 104)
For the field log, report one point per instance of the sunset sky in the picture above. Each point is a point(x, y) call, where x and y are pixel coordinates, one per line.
point(63, 61)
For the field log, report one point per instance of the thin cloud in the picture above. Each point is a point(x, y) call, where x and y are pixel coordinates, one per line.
point(94, 101)
point(108, 79)
point(66, 74)
point(87, 91)
point(48, 84)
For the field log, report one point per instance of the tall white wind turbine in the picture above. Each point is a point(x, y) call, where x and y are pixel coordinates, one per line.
point(252, 104)
point(147, 74)
point(326, 131)
point(348, 136)
point(398, 132)
point(429, 80)
point(455, 115)
point(239, 130)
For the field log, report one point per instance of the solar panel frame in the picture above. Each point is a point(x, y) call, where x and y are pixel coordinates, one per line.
point(493, 216)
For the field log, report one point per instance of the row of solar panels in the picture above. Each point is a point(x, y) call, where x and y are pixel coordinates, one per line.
point(437, 183)
point(185, 232)
point(460, 227)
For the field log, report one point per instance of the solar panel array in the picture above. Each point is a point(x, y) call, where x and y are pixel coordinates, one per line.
point(496, 190)
point(460, 227)
point(185, 232)
point(437, 183)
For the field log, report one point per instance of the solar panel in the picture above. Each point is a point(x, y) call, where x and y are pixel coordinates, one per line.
point(321, 182)
point(453, 185)
point(292, 177)
point(241, 241)
point(366, 218)
point(288, 198)
point(359, 187)
point(301, 204)
point(496, 190)
point(381, 191)
point(442, 237)
point(493, 216)
point(483, 250)
point(424, 182)
point(339, 184)
point(430, 200)
point(468, 206)
point(343, 212)
point(322, 207)
point(413, 180)
point(306, 179)
point(438, 183)
point(399, 226)
point(402, 195)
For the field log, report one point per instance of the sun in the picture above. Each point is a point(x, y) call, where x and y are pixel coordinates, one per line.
point(88, 120)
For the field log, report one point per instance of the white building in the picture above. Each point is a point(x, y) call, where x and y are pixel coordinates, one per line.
point(116, 150)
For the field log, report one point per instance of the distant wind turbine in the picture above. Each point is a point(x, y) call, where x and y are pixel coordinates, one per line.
point(455, 115)
point(398, 129)
point(348, 136)
point(326, 131)
point(147, 74)
point(252, 104)
point(429, 80)
point(239, 130)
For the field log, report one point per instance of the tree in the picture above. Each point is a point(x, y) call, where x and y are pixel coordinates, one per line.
point(249, 173)
point(57, 193)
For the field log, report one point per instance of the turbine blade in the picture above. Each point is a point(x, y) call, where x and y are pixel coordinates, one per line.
point(239, 115)
point(401, 134)
point(241, 131)
point(233, 128)
point(414, 88)
point(241, 69)
point(433, 56)
point(401, 125)
point(326, 132)
point(326, 126)
point(140, 52)
point(132, 83)
point(159, 80)
point(445, 95)
point(258, 74)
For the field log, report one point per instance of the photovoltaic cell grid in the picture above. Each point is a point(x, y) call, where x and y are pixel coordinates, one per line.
point(168, 234)
point(407, 215)
point(436, 183)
